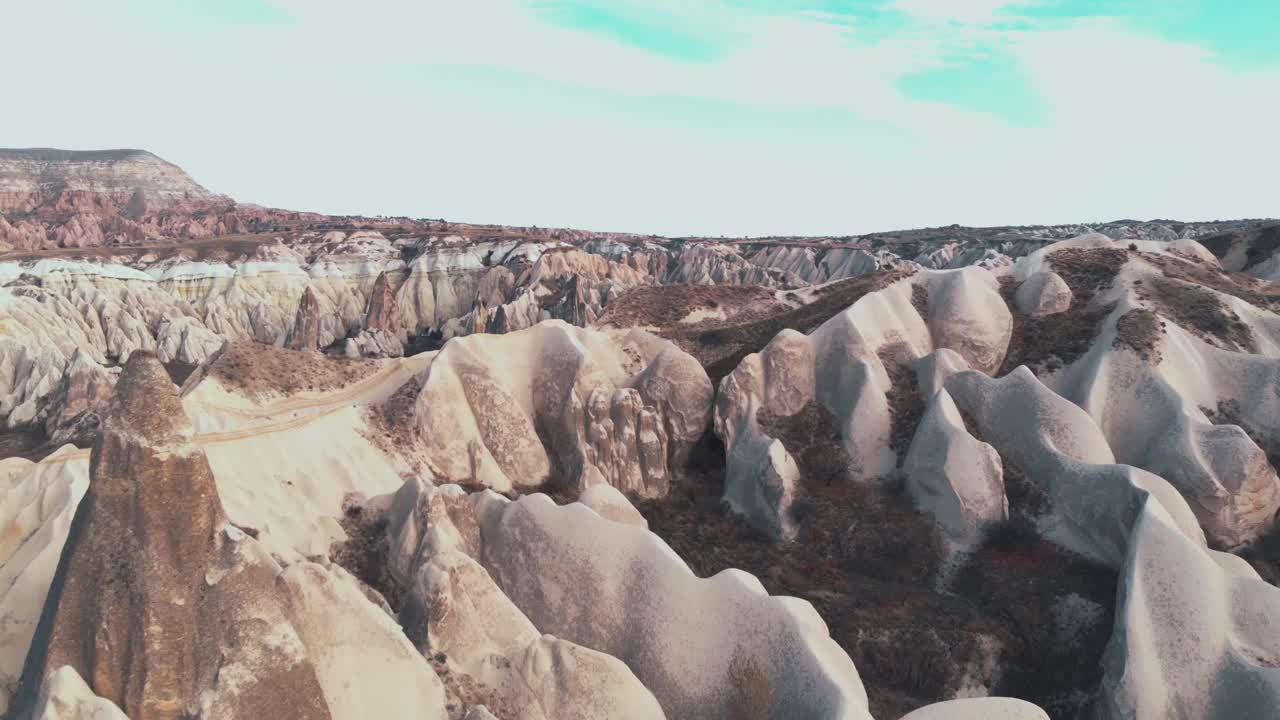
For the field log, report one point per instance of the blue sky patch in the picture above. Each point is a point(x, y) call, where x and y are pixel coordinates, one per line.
point(990, 84)
point(638, 27)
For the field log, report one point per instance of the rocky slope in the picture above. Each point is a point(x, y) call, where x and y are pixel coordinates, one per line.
point(44, 180)
point(933, 502)
point(470, 473)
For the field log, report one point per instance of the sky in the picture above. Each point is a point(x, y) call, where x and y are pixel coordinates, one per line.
point(674, 117)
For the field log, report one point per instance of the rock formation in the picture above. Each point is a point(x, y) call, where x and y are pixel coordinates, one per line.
point(946, 466)
point(305, 333)
point(73, 414)
point(168, 611)
point(137, 181)
point(557, 404)
point(383, 312)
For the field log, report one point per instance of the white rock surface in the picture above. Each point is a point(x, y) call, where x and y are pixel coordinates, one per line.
point(1094, 502)
point(993, 708)
point(611, 504)
point(953, 475)
point(618, 407)
point(66, 697)
point(1043, 293)
point(37, 503)
point(839, 366)
point(1191, 639)
point(454, 609)
point(678, 633)
point(365, 665)
point(375, 344)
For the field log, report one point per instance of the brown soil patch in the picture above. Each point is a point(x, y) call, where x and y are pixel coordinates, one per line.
point(1053, 341)
point(1140, 331)
point(721, 346)
point(1260, 294)
point(906, 405)
point(1050, 342)
point(393, 424)
point(664, 306)
point(1088, 271)
point(868, 562)
point(365, 551)
point(920, 300)
point(258, 369)
point(812, 437)
point(1201, 312)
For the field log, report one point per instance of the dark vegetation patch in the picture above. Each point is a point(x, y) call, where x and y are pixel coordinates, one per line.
point(720, 345)
point(258, 369)
point(1019, 579)
point(30, 443)
point(665, 306)
point(1140, 331)
point(1049, 342)
point(1260, 294)
point(179, 371)
point(365, 551)
point(1199, 311)
point(1265, 243)
point(812, 437)
point(906, 405)
point(393, 425)
point(1027, 498)
point(1087, 271)
point(869, 563)
point(425, 341)
point(1264, 555)
point(920, 300)
point(865, 558)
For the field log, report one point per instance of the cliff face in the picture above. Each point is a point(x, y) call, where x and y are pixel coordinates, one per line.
point(130, 182)
point(68, 198)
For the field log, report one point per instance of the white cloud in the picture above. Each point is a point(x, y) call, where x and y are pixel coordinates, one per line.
point(483, 111)
point(975, 12)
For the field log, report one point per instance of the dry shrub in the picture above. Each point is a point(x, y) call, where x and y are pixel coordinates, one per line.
point(753, 693)
point(1049, 342)
point(365, 552)
point(1140, 331)
point(258, 369)
point(1260, 294)
point(393, 422)
point(1200, 311)
point(906, 406)
point(1088, 271)
point(920, 300)
point(753, 315)
point(812, 437)
point(1018, 578)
